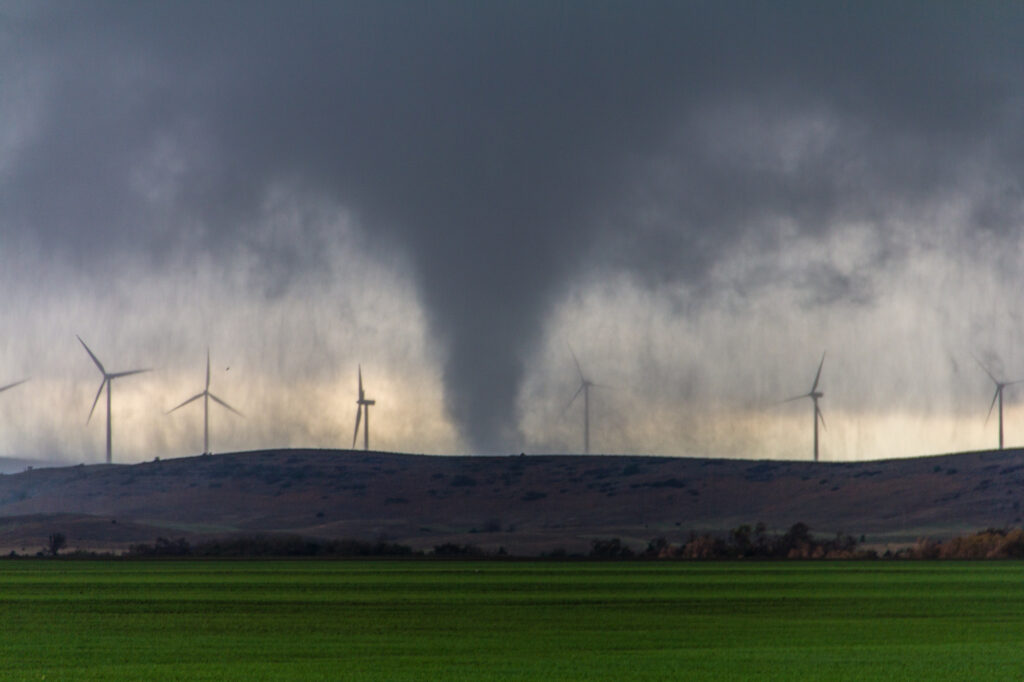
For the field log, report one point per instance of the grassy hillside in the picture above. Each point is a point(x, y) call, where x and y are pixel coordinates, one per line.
point(526, 503)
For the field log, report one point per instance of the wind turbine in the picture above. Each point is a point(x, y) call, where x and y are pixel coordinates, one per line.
point(1000, 385)
point(585, 386)
point(108, 379)
point(363, 406)
point(206, 396)
point(814, 395)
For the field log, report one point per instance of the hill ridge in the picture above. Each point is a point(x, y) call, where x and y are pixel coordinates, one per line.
point(521, 502)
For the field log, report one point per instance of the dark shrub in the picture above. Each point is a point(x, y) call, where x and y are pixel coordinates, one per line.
point(609, 549)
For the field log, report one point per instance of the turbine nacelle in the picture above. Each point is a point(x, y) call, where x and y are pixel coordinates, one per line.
point(813, 396)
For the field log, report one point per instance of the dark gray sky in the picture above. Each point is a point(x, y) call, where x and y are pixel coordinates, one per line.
point(699, 197)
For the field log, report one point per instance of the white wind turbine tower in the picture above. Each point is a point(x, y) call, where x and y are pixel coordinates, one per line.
point(814, 395)
point(1000, 385)
point(108, 379)
point(363, 406)
point(207, 397)
point(585, 386)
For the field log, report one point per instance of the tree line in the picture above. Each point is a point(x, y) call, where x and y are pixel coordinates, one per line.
point(743, 542)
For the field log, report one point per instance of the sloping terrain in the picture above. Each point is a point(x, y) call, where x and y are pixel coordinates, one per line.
point(11, 465)
point(522, 503)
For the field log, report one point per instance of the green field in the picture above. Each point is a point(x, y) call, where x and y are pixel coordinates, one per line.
point(479, 621)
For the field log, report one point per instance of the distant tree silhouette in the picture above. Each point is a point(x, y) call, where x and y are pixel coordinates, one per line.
point(657, 548)
point(992, 543)
point(610, 549)
point(704, 546)
point(741, 542)
point(450, 549)
point(57, 542)
point(796, 541)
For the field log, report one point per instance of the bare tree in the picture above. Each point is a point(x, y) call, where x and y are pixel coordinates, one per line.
point(57, 542)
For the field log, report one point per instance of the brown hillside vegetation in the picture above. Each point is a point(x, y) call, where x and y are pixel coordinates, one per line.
point(526, 504)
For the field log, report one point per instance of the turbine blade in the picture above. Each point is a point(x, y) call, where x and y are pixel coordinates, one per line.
point(982, 365)
point(207, 368)
point(118, 375)
point(796, 397)
point(817, 376)
point(995, 396)
point(92, 355)
point(574, 396)
point(16, 383)
point(577, 363)
point(821, 417)
point(97, 398)
point(360, 385)
point(197, 396)
point(224, 404)
point(359, 414)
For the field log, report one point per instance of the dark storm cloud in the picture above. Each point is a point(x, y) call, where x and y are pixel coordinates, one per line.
point(506, 147)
